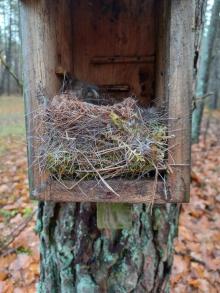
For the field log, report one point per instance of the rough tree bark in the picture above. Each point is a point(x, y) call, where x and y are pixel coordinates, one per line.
point(75, 255)
point(214, 72)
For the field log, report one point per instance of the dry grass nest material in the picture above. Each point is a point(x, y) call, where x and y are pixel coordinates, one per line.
point(84, 141)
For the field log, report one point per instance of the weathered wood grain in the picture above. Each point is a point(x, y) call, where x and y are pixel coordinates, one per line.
point(179, 92)
point(162, 47)
point(45, 45)
point(115, 28)
point(129, 191)
point(101, 60)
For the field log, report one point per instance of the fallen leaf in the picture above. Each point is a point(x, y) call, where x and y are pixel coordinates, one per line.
point(4, 188)
point(3, 275)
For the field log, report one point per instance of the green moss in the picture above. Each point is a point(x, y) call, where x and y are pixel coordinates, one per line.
point(27, 212)
point(117, 121)
point(63, 166)
point(25, 250)
point(7, 215)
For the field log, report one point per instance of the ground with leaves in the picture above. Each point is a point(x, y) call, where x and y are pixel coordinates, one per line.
point(19, 245)
point(197, 259)
point(197, 249)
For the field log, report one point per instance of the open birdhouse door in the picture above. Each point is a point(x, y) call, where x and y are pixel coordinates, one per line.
point(115, 74)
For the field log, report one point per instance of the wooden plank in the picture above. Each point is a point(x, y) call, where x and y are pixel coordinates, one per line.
point(179, 91)
point(115, 87)
point(100, 60)
point(162, 28)
point(40, 39)
point(129, 191)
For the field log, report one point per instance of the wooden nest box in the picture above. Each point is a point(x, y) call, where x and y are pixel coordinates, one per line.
point(122, 46)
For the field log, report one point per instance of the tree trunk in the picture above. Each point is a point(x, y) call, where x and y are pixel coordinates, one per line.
point(77, 257)
point(9, 50)
point(214, 72)
point(203, 70)
point(4, 46)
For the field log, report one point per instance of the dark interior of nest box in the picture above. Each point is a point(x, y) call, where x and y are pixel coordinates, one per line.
point(113, 44)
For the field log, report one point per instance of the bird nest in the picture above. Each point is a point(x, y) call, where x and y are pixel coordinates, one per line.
point(79, 140)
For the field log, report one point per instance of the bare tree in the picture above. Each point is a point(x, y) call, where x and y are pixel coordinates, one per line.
point(214, 72)
point(10, 63)
point(10, 73)
point(203, 68)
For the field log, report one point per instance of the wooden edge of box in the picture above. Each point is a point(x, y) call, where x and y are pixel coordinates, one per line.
point(125, 191)
point(179, 183)
point(179, 92)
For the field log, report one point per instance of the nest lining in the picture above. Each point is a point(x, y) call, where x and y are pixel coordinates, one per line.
point(80, 140)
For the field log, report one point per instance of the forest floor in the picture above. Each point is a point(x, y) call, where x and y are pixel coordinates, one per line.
point(197, 249)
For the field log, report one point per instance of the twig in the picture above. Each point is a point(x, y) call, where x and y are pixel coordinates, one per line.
point(195, 259)
point(7, 67)
point(200, 99)
point(102, 179)
point(19, 228)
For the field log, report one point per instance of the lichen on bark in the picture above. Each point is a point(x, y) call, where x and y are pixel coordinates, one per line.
point(78, 257)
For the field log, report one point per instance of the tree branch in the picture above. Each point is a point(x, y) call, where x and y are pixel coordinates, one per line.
point(18, 229)
point(7, 67)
